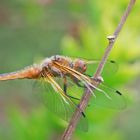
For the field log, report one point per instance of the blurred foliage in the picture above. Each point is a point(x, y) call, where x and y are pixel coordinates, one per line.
point(33, 29)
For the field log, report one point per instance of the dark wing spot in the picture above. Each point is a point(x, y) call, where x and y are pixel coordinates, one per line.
point(112, 61)
point(118, 92)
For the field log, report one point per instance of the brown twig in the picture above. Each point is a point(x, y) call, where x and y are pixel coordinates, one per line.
point(87, 95)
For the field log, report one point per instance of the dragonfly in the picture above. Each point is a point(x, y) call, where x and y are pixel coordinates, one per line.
point(61, 80)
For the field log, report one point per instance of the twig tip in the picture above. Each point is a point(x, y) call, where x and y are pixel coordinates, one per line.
point(111, 37)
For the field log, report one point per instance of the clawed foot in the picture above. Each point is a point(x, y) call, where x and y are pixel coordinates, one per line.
point(99, 79)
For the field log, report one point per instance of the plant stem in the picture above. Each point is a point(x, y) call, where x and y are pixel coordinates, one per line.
point(87, 95)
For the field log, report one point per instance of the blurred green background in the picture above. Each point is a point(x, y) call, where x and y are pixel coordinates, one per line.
point(31, 30)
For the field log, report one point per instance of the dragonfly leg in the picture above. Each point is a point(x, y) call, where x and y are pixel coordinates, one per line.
point(73, 97)
point(87, 75)
point(83, 114)
point(82, 86)
point(65, 90)
point(79, 85)
point(99, 79)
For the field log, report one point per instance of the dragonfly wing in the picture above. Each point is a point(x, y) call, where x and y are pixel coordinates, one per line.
point(108, 97)
point(74, 91)
point(58, 104)
point(54, 102)
point(110, 68)
point(104, 96)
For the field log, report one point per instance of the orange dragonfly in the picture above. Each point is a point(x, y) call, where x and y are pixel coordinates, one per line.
point(61, 80)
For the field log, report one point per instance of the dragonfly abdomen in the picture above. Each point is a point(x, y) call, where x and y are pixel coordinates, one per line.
point(31, 72)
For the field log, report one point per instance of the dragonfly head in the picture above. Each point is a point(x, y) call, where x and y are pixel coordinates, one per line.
point(80, 65)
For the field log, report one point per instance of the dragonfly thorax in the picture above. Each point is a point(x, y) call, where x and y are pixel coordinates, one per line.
point(49, 65)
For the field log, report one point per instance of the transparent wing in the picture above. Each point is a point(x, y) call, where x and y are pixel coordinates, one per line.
point(110, 68)
point(108, 97)
point(73, 91)
point(103, 95)
point(61, 106)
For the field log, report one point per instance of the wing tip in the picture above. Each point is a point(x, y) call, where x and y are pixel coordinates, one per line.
point(118, 92)
point(112, 61)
